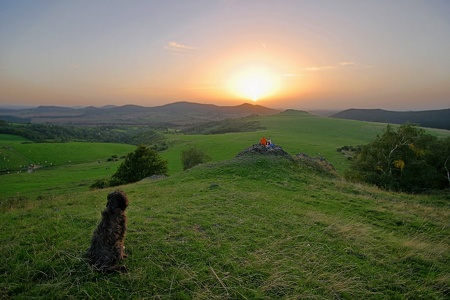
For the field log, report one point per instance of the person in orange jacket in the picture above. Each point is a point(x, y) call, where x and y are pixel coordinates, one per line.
point(263, 141)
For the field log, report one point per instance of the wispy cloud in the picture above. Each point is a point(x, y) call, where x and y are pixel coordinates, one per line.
point(178, 48)
point(321, 68)
point(331, 67)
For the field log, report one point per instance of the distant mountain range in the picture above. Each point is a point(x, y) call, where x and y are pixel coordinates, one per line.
point(174, 114)
point(182, 114)
point(428, 118)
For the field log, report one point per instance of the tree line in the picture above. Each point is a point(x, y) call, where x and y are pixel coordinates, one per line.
point(40, 133)
point(246, 124)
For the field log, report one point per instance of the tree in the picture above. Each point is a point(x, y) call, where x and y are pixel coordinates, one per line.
point(405, 159)
point(192, 157)
point(440, 159)
point(141, 163)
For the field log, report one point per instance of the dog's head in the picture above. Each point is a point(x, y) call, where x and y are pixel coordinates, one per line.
point(117, 199)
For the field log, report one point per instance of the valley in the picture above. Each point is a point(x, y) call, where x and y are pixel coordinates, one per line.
point(253, 227)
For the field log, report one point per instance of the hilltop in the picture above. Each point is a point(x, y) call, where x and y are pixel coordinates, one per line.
point(428, 118)
point(175, 114)
point(252, 227)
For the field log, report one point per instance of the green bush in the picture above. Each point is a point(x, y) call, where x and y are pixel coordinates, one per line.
point(405, 159)
point(192, 157)
point(141, 163)
point(100, 184)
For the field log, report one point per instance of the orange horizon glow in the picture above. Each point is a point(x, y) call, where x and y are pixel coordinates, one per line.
point(295, 54)
point(254, 83)
point(251, 73)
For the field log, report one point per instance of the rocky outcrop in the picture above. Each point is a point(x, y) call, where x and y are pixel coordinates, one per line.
point(263, 150)
point(318, 163)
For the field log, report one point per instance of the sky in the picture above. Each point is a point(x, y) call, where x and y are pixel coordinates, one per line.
point(297, 54)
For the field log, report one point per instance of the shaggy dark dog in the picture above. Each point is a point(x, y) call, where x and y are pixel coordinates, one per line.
point(107, 248)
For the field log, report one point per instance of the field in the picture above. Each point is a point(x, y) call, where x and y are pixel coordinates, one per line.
point(60, 166)
point(236, 228)
point(76, 165)
point(80, 164)
point(295, 131)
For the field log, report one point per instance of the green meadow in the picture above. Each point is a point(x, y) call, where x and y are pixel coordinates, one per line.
point(295, 131)
point(76, 165)
point(60, 166)
point(253, 227)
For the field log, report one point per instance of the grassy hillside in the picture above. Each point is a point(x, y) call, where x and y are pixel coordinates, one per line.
point(295, 131)
point(47, 154)
point(62, 166)
point(76, 165)
point(428, 118)
point(249, 228)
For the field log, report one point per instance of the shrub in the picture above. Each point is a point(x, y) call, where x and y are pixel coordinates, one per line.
point(141, 163)
point(100, 184)
point(406, 159)
point(192, 157)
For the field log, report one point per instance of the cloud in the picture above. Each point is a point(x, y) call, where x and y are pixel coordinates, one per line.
point(336, 66)
point(178, 48)
point(315, 69)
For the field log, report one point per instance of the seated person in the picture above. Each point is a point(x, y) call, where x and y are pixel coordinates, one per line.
point(263, 141)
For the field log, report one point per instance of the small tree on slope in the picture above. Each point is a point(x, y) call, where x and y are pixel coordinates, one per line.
point(141, 163)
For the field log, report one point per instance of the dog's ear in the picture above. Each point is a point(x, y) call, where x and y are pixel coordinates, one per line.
point(122, 200)
point(117, 199)
point(111, 202)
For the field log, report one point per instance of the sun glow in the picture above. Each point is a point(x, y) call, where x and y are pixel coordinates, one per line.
point(254, 83)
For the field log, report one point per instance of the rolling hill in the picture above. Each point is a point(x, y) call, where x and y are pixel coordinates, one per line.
point(428, 118)
point(247, 227)
point(174, 114)
point(296, 131)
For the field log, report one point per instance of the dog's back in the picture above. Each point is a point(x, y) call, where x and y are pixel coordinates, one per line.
point(107, 244)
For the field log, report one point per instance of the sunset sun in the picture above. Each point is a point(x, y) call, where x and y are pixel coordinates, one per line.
point(254, 83)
